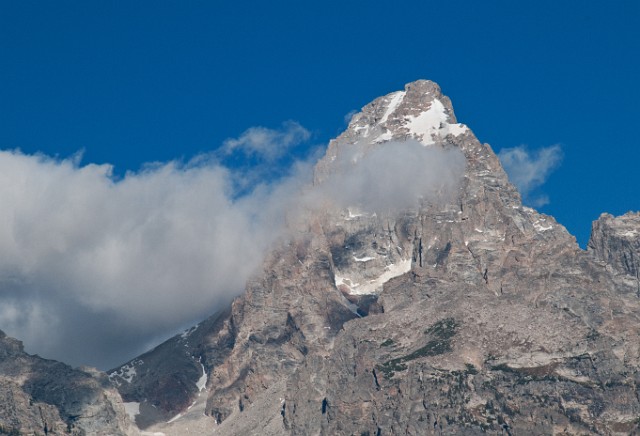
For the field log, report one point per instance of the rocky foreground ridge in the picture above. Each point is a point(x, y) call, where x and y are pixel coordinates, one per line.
point(468, 314)
point(40, 396)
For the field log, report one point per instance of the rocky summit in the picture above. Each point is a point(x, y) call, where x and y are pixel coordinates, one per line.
point(463, 313)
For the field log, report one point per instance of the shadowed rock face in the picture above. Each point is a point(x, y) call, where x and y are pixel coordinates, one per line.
point(39, 396)
point(482, 315)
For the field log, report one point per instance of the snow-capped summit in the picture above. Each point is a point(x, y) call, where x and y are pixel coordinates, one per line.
point(420, 112)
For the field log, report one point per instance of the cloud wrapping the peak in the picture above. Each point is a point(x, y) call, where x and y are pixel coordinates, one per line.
point(95, 270)
point(393, 176)
point(529, 170)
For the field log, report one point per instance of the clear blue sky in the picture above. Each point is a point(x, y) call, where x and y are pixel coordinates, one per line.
point(133, 82)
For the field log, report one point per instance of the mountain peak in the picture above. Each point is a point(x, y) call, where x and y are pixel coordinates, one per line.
point(420, 112)
point(468, 306)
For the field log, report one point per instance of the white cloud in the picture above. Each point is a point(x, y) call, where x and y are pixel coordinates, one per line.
point(392, 176)
point(145, 254)
point(348, 116)
point(530, 170)
point(93, 269)
point(268, 144)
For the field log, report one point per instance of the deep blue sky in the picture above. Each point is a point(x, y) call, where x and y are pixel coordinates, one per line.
point(133, 82)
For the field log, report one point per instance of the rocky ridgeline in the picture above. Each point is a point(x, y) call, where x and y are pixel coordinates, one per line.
point(467, 314)
point(39, 397)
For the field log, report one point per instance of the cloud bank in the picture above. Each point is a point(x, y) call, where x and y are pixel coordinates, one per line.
point(96, 269)
point(80, 251)
point(529, 170)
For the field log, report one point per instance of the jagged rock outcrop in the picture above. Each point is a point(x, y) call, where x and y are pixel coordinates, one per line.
point(467, 314)
point(616, 241)
point(39, 396)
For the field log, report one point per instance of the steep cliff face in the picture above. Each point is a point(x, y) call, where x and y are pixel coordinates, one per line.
point(465, 313)
point(39, 396)
point(616, 241)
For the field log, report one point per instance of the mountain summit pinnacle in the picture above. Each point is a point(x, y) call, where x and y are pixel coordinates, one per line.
point(417, 97)
point(419, 112)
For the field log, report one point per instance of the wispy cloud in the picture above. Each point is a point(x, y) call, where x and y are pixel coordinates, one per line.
point(529, 170)
point(265, 143)
point(348, 116)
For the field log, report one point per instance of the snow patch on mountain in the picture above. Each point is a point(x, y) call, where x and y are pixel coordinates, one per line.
point(373, 286)
point(432, 124)
point(540, 226)
point(133, 409)
point(396, 99)
point(175, 418)
point(386, 136)
point(202, 381)
point(363, 259)
point(126, 372)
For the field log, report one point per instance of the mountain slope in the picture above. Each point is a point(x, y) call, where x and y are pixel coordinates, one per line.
point(39, 396)
point(464, 314)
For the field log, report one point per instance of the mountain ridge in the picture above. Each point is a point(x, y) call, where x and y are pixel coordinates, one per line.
point(41, 396)
point(491, 294)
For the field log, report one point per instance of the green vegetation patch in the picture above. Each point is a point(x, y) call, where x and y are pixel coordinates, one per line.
point(443, 329)
point(525, 375)
point(471, 369)
point(387, 343)
point(441, 333)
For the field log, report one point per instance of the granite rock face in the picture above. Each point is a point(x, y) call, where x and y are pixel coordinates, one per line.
point(39, 396)
point(616, 241)
point(468, 313)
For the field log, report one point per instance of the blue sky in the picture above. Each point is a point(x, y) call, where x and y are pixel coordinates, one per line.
point(133, 82)
point(128, 83)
